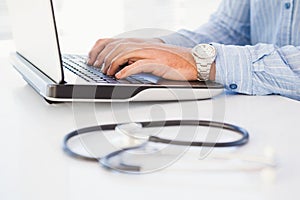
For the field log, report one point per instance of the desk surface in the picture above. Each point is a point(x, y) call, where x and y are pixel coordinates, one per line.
point(33, 165)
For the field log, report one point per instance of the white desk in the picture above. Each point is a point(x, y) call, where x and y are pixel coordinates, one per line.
point(34, 167)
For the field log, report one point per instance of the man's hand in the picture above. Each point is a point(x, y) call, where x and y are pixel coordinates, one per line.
point(143, 56)
point(103, 46)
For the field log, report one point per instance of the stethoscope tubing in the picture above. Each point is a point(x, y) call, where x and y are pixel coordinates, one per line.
point(108, 127)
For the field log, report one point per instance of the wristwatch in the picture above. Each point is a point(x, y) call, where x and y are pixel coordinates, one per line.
point(204, 55)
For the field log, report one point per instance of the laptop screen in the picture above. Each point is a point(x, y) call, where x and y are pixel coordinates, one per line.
point(35, 35)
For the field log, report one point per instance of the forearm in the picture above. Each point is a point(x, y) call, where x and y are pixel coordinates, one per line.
point(230, 24)
point(259, 70)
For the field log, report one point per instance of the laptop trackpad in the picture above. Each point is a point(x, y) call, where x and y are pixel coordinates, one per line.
point(149, 77)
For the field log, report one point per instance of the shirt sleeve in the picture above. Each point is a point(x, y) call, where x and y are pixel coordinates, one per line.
point(230, 24)
point(259, 70)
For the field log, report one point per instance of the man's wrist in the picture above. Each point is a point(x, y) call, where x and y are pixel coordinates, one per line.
point(204, 56)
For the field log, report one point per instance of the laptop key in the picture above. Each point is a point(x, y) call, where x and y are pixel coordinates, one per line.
point(76, 64)
point(100, 81)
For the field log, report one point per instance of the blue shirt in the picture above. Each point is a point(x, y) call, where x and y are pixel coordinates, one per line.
point(258, 45)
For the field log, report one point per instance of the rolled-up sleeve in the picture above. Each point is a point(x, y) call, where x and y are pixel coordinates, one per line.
point(259, 70)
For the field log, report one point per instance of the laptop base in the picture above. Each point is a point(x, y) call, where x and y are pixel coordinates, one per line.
point(80, 92)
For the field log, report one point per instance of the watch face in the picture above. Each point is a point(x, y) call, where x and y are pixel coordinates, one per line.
point(205, 51)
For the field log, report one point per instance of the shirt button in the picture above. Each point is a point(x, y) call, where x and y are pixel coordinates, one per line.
point(233, 86)
point(287, 5)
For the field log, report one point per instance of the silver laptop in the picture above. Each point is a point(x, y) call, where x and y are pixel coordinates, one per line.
point(64, 78)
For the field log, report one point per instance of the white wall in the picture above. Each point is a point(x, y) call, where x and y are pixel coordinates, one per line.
point(93, 17)
point(88, 20)
point(4, 21)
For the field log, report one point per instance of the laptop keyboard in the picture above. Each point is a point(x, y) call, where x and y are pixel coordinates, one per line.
point(76, 64)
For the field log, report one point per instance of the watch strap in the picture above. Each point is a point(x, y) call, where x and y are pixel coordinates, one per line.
point(203, 66)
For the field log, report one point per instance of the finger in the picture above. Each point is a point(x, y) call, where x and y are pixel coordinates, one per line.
point(97, 48)
point(120, 50)
point(110, 51)
point(114, 53)
point(124, 58)
point(142, 66)
point(103, 54)
point(153, 67)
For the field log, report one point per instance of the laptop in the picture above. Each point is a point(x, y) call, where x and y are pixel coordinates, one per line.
point(61, 77)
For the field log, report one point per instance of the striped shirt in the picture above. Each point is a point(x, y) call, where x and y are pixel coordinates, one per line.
point(258, 45)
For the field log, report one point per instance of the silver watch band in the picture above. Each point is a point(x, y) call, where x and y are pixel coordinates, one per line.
point(204, 55)
point(203, 72)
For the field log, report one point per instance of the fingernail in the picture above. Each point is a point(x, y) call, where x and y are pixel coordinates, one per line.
point(118, 75)
point(96, 63)
point(87, 61)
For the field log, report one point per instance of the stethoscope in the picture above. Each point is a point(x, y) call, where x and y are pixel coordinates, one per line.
point(244, 136)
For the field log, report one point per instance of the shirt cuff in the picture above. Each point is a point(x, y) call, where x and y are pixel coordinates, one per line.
point(234, 68)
